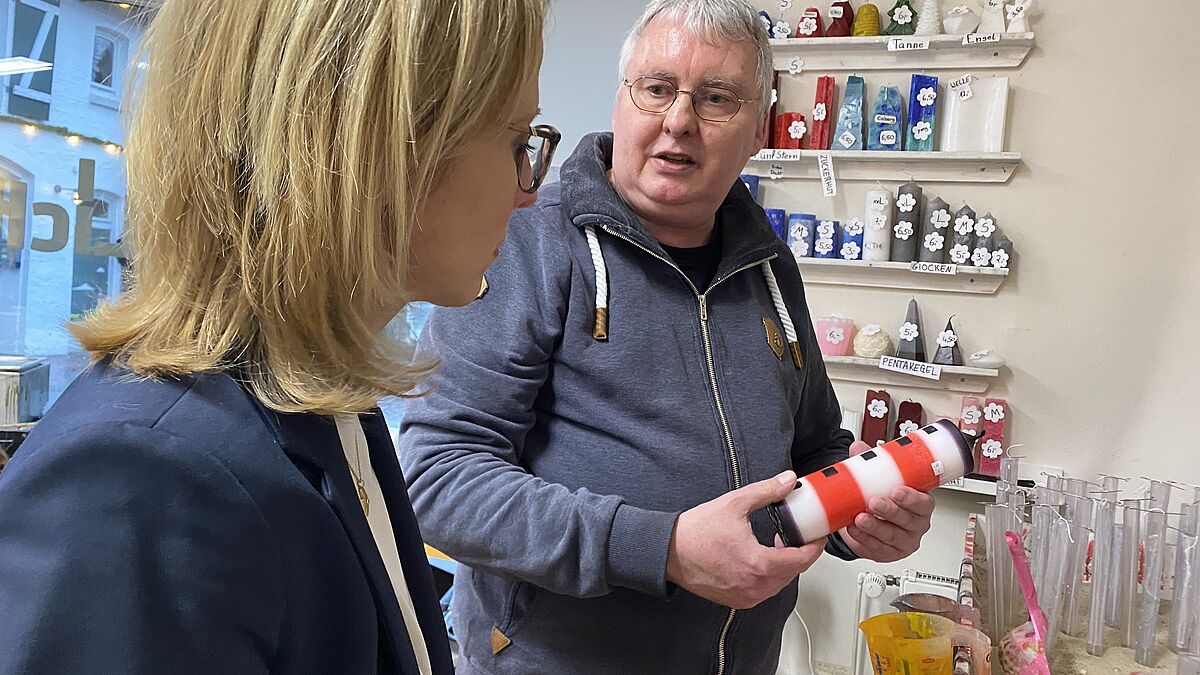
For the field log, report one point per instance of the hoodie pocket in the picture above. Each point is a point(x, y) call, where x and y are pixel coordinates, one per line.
point(521, 597)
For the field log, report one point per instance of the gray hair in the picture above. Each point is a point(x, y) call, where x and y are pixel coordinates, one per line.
point(733, 20)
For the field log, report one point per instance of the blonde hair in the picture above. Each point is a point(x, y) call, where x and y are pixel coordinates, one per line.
point(278, 155)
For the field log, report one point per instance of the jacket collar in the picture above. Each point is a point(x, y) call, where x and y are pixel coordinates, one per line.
point(588, 198)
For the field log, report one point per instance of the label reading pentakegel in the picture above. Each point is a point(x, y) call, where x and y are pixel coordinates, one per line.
point(929, 371)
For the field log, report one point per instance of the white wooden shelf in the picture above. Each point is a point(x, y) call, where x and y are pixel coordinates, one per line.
point(890, 165)
point(871, 53)
point(899, 275)
point(973, 485)
point(964, 379)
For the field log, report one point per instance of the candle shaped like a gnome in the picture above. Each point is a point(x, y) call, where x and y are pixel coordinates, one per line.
point(948, 352)
point(912, 342)
point(841, 19)
point(827, 500)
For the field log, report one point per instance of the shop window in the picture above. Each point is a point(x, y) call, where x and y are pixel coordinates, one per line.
point(104, 55)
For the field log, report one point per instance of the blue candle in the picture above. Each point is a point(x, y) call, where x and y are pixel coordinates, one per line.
point(848, 135)
point(802, 231)
point(886, 120)
point(826, 244)
point(852, 240)
point(778, 220)
point(751, 183)
point(922, 111)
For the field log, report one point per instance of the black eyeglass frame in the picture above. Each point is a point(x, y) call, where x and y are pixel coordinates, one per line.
point(539, 166)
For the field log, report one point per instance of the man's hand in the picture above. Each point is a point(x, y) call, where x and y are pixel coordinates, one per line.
point(893, 527)
point(715, 555)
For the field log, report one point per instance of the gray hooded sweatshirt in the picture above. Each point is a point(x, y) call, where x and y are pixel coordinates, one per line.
point(553, 464)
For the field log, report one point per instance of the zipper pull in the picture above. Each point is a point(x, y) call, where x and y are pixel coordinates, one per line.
point(703, 307)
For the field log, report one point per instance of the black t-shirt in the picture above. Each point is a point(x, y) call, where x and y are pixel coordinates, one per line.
point(699, 263)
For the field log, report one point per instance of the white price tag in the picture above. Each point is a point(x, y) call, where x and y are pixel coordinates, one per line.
point(887, 137)
point(885, 119)
point(846, 139)
point(795, 66)
point(776, 171)
point(980, 38)
point(774, 155)
point(929, 371)
point(961, 88)
point(934, 268)
point(1016, 11)
point(828, 182)
point(785, 4)
point(905, 44)
point(836, 12)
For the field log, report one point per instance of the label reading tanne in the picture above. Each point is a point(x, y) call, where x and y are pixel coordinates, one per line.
point(897, 44)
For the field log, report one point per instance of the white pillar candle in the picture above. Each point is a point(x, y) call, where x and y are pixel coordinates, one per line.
point(877, 239)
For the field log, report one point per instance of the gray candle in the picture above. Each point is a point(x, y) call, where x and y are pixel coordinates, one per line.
point(906, 231)
point(934, 228)
point(1002, 252)
point(964, 236)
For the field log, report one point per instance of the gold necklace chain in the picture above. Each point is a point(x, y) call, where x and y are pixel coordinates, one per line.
point(363, 497)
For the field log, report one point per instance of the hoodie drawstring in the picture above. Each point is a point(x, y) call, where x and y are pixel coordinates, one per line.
point(600, 327)
point(789, 329)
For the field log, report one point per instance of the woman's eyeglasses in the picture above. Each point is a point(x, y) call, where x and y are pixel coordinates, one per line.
point(533, 159)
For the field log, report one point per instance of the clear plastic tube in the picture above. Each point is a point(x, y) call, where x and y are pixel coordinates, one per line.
point(1080, 517)
point(997, 554)
point(1050, 598)
point(1101, 575)
point(1147, 629)
point(1160, 495)
point(1017, 612)
point(1110, 489)
point(1127, 578)
point(1039, 536)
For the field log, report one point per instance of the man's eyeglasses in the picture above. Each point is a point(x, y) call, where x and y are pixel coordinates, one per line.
point(533, 158)
point(714, 104)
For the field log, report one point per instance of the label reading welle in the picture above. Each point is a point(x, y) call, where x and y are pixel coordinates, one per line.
point(933, 268)
point(778, 156)
point(907, 44)
point(928, 371)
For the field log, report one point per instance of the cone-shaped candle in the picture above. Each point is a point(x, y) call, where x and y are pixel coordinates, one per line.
point(904, 19)
point(912, 342)
point(948, 352)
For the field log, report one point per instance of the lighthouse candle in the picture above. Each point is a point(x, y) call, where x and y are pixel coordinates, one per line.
point(827, 500)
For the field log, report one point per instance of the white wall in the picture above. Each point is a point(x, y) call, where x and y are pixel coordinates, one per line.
point(1100, 316)
point(579, 70)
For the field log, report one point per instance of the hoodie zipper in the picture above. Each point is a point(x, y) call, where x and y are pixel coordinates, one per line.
point(712, 379)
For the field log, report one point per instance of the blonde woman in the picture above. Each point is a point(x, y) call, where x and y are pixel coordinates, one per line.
point(219, 494)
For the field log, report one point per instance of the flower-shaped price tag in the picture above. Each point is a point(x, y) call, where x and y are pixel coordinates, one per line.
point(782, 31)
point(985, 227)
point(906, 202)
point(819, 112)
point(785, 4)
point(940, 218)
point(798, 231)
point(807, 26)
point(922, 130)
point(797, 129)
point(903, 230)
point(824, 246)
point(907, 427)
point(850, 251)
point(964, 224)
point(835, 335)
point(994, 412)
point(991, 449)
point(871, 329)
point(795, 66)
point(947, 338)
point(960, 254)
point(903, 15)
point(826, 229)
point(854, 227)
point(999, 258)
point(877, 408)
point(766, 21)
point(970, 415)
point(981, 257)
point(774, 96)
point(909, 332)
point(934, 241)
point(926, 96)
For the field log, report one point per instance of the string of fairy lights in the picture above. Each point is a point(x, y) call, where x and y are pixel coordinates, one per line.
point(72, 138)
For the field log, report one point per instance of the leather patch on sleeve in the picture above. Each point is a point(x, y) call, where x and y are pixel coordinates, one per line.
point(774, 337)
point(500, 641)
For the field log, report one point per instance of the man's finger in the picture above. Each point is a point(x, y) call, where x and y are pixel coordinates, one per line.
point(752, 497)
point(883, 530)
point(886, 509)
point(792, 560)
point(914, 501)
point(871, 547)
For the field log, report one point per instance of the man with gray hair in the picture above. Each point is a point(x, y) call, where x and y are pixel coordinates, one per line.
point(650, 382)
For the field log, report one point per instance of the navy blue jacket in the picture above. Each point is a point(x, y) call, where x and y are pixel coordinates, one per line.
point(179, 526)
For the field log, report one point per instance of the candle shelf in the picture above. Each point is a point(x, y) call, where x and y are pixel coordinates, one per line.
point(963, 379)
point(888, 165)
point(871, 53)
point(900, 275)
